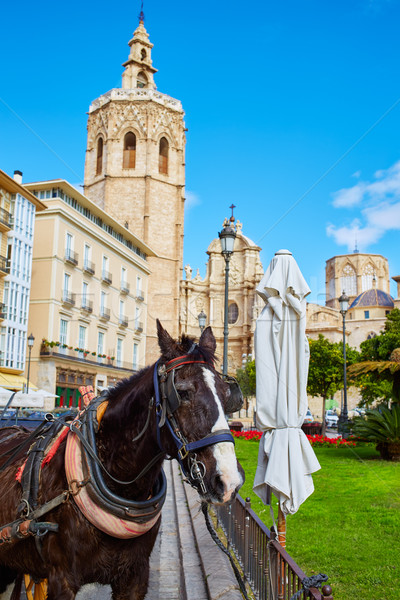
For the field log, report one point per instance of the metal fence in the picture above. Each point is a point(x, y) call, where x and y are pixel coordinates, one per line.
point(271, 573)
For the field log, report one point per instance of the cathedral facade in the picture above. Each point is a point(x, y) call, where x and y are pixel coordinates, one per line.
point(207, 296)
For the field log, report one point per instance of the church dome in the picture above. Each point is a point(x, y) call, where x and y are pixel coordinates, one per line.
point(373, 297)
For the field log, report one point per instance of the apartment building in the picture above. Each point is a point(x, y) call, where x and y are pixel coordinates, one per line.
point(18, 207)
point(89, 295)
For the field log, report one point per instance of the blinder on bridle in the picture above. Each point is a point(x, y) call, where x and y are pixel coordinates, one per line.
point(164, 382)
point(235, 399)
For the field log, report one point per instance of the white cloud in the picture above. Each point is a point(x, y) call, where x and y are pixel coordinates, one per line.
point(380, 209)
point(354, 234)
point(349, 197)
point(386, 216)
point(191, 201)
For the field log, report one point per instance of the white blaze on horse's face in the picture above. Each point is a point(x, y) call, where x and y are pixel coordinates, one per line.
point(224, 452)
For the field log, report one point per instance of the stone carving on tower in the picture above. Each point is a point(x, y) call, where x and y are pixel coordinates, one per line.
point(135, 170)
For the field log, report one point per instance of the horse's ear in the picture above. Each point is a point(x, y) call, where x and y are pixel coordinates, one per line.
point(167, 344)
point(207, 340)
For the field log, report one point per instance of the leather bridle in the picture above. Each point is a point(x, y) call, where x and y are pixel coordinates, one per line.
point(167, 401)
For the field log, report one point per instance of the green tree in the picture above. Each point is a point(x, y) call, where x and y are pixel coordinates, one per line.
point(325, 373)
point(377, 373)
point(246, 377)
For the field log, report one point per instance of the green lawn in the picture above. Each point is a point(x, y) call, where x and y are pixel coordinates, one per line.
point(349, 528)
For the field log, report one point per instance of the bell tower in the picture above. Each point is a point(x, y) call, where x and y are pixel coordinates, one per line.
point(135, 170)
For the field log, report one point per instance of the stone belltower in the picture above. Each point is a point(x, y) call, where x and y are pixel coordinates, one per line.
point(135, 170)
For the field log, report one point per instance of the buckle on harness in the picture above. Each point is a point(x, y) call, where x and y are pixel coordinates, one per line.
point(183, 453)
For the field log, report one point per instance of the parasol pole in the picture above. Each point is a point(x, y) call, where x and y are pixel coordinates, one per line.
point(281, 528)
point(282, 541)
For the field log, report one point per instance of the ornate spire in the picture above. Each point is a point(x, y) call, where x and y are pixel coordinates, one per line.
point(139, 68)
point(141, 14)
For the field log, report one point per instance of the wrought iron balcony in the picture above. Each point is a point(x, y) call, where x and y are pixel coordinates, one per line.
point(139, 295)
point(138, 327)
point(4, 268)
point(106, 277)
point(105, 313)
point(68, 298)
point(88, 267)
point(87, 305)
point(3, 311)
point(123, 321)
point(125, 287)
point(5, 218)
point(71, 256)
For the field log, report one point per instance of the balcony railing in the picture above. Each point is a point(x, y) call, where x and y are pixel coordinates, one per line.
point(68, 298)
point(5, 217)
point(89, 267)
point(139, 295)
point(65, 353)
point(4, 268)
point(3, 310)
point(123, 321)
point(87, 305)
point(125, 288)
point(71, 256)
point(106, 277)
point(138, 327)
point(105, 313)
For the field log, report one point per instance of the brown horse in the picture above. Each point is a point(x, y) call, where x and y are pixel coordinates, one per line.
point(132, 431)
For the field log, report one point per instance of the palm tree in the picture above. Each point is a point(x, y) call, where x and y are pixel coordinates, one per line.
point(382, 424)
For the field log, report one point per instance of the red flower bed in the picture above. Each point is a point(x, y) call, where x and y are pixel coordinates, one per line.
point(315, 440)
point(247, 435)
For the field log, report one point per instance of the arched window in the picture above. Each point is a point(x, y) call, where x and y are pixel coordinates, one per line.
point(233, 313)
point(129, 160)
point(99, 159)
point(367, 278)
point(141, 80)
point(163, 156)
point(348, 281)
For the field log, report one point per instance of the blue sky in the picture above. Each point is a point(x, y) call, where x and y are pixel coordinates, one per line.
point(292, 109)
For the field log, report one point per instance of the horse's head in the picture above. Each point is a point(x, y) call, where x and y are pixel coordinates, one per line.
point(195, 401)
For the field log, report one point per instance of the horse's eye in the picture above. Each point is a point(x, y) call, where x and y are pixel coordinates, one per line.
point(184, 395)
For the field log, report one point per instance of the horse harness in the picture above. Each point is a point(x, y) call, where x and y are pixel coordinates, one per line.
point(169, 402)
point(143, 514)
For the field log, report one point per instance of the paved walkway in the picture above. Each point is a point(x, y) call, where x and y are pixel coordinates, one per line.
point(185, 563)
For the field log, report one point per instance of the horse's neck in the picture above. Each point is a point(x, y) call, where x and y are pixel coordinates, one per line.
point(123, 457)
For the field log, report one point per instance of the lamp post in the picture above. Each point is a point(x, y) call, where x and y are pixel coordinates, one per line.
point(31, 341)
point(343, 418)
point(202, 318)
point(227, 237)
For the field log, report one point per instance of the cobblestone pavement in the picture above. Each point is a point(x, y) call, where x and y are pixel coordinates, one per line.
point(185, 563)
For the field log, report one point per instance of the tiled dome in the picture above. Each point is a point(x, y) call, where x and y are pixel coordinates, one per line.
point(373, 297)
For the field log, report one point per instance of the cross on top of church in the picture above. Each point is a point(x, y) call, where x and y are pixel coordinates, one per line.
point(141, 14)
point(232, 206)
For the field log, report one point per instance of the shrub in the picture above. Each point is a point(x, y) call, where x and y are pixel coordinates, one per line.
point(382, 426)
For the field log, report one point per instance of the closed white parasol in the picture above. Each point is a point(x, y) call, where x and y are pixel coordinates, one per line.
point(286, 459)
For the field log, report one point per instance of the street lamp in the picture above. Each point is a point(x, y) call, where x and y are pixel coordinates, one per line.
point(31, 340)
point(343, 418)
point(202, 318)
point(227, 237)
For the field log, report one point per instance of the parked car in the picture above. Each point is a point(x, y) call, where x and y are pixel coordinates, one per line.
point(331, 418)
point(308, 418)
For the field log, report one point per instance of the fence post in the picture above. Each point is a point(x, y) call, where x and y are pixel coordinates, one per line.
point(246, 536)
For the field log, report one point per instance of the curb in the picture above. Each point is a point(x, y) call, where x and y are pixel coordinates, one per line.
point(218, 574)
